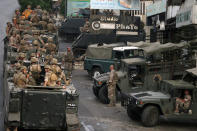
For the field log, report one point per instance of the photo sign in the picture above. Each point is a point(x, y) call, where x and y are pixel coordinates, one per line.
point(115, 4)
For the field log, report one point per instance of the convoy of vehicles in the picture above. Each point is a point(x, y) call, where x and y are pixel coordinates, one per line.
point(151, 77)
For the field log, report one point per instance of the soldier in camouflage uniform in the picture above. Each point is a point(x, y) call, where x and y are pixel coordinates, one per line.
point(61, 76)
point(51, 27)
point(112, 86)
point(50, 46)
point(50, 77)
point(21, 78)
point(23, 46)
point(21, 57)
point(35, 70)
point(68, 61)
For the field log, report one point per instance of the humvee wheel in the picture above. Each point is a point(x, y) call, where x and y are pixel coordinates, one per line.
point(103, 95)
point(132, 113)
point(95, 91)
point(150, 116)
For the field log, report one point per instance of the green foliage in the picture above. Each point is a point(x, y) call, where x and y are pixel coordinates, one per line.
point(45, 4)
point(62, 8)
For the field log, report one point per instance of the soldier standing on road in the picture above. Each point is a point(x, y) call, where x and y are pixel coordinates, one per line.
point(68, 61)
point(112, 86)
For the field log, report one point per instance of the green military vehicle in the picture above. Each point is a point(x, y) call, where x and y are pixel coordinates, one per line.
point(141, 74)
point(99, 58)
point(150, 105)
point(38, 107)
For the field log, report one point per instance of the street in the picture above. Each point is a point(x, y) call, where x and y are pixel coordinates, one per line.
point(93, 115)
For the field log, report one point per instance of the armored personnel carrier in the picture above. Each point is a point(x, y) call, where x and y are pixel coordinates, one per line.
point(36, 106)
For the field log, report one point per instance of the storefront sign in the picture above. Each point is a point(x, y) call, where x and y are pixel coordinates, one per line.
point(187, 16)
point(156, 8)
point(73, 6)
point(115, 4)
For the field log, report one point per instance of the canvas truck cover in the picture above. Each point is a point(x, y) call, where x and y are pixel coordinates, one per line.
point(152, 48)
point(101, 52)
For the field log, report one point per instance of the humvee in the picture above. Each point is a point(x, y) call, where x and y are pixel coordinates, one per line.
point(148, 106)
point(142, 74)
point(99, 58)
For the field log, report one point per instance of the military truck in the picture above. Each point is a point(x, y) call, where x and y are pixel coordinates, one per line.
point(139, 74)
point(148, 106)
point(100, 57)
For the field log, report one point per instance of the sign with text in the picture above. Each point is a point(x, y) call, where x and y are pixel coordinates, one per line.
point(156, 8)
point(107, 24)
point(115, 4)
point(185, 17)
point(73, 6)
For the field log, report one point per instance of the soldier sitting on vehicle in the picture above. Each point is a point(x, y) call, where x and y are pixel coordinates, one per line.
point(21, 57)
point(21, 78)
point(35, 70)
point(183, 104)
point(50, 77)
point(50, 46)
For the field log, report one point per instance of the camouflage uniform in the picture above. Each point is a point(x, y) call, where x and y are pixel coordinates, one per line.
point(21, 58)
point(184, 104)
point(68, 60)
point(51, 27)
point(112, 87)
point(20, 79)
point(50, 46)
point(35, 70)
point(50, 77)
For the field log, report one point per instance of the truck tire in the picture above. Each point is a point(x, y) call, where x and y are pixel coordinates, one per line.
point(103, 95)
point(95, 91)
point(132, 113)
point(150, 116)
point(96, 70)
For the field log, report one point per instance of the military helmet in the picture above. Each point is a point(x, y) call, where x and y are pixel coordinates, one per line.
point(34, 60)
point(36, 42)
point(23, 68)
point(18, 65)
point(47, 67)
point(22, 42)
point(54, 61)
point(50, 39)
point(50, 21)
point(38, 7)
point(21, 55)
point(33, 54)
point(22, 22)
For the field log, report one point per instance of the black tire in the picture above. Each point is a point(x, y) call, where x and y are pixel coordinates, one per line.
point(132, 113)
point(95, 91)
point(96, 69)
point(150, 116)
point(103, 95)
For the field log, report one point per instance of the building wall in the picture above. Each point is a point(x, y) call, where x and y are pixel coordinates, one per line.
point(142, 11)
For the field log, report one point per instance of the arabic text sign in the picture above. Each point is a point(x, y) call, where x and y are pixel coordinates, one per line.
point(156, 8)
point(115, 4)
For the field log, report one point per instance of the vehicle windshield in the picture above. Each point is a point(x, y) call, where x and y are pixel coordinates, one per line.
point(133, 53)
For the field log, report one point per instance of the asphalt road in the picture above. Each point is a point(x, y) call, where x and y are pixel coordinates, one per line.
point(93, 115)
